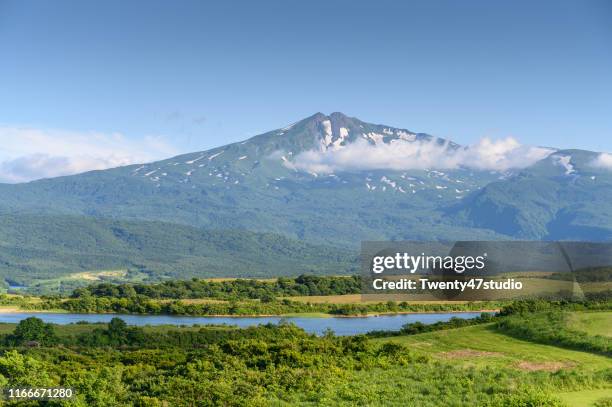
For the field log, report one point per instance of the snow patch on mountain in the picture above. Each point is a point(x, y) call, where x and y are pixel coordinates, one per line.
point(565, 161)
point(388, 181)
point(344, 133)
point(288, 127)
point(376, 138)
point(215, 155)
point(195, 160)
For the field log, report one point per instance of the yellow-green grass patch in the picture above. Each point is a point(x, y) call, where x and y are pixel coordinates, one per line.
point(482, 345)
point(584, 398)
point(592, 323)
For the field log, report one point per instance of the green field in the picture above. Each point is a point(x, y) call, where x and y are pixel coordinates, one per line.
point(593, 323)
point(483, 347)
point(585, 397)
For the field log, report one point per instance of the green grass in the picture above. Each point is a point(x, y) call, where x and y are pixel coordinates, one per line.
point(584, 398)
point(593, 323)
point(61, 330)
point(483, 348)
point(468, 346)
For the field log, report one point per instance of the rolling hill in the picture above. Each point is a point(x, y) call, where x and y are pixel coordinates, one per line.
point(63, 251)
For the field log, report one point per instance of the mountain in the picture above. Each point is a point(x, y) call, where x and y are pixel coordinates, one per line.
point(248, 185)
point(259, 186)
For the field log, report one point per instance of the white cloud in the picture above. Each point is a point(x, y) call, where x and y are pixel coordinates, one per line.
point(603, 160)
point(488, 154)
point(28, 153)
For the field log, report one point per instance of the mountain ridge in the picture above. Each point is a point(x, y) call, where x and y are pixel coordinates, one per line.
point(254, 185)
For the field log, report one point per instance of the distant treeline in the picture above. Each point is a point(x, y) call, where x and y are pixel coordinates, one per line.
point(304, 285)
point(415, 328)
point(587, 275)
point(33, 331)
point(255, 297)
point(593, 302)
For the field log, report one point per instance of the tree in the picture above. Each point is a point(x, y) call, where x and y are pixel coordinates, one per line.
point(117, 330)
point(33, 329)
point(267, 298)
point(20, 370)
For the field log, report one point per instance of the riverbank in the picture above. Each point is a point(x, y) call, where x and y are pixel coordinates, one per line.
point(17, 310)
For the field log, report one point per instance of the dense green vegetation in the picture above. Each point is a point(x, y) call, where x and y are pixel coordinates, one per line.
point(231, 297)
point(255, 297)
point(419, 327)
point(229, 289)
point(597, 301)
point(47, 253)
point(31, 331)
point(143, 305)
point(263, 297)
point(117, 365)
point(17, 300)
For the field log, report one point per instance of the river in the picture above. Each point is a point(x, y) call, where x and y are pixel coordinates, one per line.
point(339, 325)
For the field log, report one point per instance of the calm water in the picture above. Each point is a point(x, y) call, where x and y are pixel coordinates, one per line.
point(340, 326)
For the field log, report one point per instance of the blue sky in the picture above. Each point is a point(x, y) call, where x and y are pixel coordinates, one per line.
point(149, 79)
